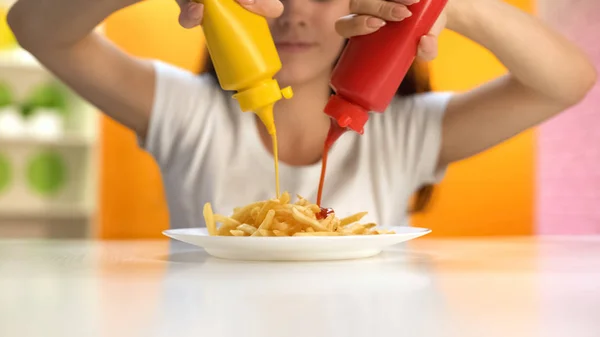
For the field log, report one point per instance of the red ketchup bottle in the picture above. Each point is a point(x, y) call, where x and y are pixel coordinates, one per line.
point(371, 69)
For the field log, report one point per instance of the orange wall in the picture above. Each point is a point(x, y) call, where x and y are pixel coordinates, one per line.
point(489, 194)
point(132, 203)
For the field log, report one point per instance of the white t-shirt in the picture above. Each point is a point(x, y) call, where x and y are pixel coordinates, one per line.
point(210, 151)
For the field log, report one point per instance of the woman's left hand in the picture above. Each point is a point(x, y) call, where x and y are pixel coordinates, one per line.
point(368, 16)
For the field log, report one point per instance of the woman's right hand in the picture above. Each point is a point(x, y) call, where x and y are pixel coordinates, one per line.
point(191, 12)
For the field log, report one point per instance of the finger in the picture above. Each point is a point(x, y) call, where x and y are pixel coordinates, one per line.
point(266, 8)
point(428, 48)
point(386, 10)
point(405, 2)
point(191, 14)
point(354, 25)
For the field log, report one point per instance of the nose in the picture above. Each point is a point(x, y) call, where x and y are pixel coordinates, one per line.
point(295, 13)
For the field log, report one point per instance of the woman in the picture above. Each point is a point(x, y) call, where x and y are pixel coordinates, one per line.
point(209, 151)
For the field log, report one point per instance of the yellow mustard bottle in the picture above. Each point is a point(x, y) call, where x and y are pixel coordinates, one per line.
point(245, 59)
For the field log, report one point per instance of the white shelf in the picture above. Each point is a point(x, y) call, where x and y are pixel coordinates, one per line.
point(19, 59)
point(78, 148)
point(53, 213)
point(65, 141)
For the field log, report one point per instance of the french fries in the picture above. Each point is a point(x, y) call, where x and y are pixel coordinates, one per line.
point(279, 217)
point(209, 218)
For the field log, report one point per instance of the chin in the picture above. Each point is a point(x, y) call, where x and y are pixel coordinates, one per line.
point(289, 79)
point(290, 76)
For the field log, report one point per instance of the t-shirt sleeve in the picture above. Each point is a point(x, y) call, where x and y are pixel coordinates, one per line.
point(180, 121)
point(417, 136)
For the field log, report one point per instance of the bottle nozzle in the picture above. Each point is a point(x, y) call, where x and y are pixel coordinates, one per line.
point(346, 114)
point(261, 95)
point(266, 116)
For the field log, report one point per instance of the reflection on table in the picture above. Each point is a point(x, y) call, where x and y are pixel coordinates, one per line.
point(474, 287)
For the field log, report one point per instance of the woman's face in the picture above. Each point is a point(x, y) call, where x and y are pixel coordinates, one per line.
point(306, 39)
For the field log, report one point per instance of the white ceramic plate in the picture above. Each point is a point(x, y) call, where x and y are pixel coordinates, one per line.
point(305, 248)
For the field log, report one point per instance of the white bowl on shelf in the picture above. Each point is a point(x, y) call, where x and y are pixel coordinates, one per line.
point(45, 124)
point(12, 124)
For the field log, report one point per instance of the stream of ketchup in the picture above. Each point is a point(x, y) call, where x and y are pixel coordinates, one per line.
point(335, 131)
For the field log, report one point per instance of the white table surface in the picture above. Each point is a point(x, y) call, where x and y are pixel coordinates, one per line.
point(431, 287)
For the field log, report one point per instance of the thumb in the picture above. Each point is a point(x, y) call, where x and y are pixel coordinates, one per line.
point(428, 45)
point(428, 48)
point(191, 13)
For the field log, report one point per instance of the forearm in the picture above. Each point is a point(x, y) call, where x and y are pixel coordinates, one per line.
point(59, 23)
point(59, 33)
point(535, 56)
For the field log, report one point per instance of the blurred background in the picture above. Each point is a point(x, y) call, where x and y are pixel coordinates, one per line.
point(66, 171)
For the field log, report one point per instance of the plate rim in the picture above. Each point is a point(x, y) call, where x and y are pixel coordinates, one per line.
point(420, 230)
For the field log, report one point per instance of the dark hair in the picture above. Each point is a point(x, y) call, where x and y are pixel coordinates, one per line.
point(416, 81)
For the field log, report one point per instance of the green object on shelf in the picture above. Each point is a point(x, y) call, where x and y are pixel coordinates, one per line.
point(6, 95)
point(46, 173)
point(48, 96)
point(5, 173)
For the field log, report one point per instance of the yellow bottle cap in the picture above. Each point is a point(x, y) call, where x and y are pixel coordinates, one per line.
point(263, 94)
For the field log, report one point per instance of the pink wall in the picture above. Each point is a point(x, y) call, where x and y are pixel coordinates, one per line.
point(568, 170)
